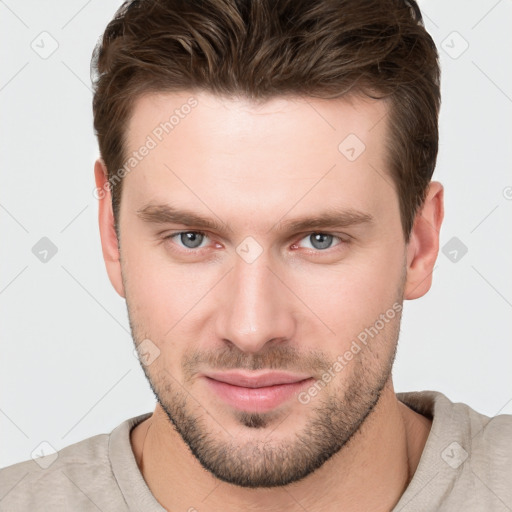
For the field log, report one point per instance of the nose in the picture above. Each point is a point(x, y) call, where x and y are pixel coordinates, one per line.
point(255, 307)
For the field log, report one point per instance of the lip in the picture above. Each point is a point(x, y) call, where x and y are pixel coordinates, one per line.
point(256, 379)
point(256, 391)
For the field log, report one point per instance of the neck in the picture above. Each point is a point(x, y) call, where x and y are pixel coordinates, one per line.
point(370, 472)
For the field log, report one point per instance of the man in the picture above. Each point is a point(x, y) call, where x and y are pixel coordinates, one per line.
point(266, 205)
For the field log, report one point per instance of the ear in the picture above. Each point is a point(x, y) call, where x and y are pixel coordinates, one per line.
point(109, 242)
point(423, 245)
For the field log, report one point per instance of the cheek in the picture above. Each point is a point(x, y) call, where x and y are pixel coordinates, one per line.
point(150, 285)
point(350, 297)
point(163, 295)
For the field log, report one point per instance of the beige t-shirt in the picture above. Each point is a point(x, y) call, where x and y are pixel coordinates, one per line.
point(466, 465)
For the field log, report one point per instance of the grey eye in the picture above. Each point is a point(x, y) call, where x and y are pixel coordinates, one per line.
point(191, 239)
point(321, 240)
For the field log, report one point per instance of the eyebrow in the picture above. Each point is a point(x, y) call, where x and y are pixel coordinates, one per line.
point(333, 217)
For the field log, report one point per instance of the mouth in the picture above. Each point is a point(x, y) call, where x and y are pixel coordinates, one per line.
point(256, 391)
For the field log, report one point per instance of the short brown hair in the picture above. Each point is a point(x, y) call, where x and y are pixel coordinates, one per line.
point(261, 49)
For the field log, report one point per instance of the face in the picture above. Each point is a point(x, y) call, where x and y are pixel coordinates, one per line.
point(263, 263)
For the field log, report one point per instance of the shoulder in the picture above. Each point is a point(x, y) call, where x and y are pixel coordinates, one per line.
point(467, 460)
point(486, 435)
point(485, 477)
point(76, 477)
point(491, 450)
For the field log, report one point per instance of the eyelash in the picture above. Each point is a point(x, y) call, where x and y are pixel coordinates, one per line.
point(343, 241)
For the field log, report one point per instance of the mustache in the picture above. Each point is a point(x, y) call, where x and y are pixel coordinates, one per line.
point(279, 357)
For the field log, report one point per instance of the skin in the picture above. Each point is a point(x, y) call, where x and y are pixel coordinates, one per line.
point(295, 307)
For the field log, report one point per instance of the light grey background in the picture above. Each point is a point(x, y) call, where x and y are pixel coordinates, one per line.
point(67, 367)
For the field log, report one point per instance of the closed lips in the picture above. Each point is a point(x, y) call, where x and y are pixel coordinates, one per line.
point(257, 380)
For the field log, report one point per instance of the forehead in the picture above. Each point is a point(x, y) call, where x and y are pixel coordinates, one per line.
point(166, 116)
point(206, 149)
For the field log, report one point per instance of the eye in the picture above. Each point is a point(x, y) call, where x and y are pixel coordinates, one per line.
point(320, 241)
point(189, 239)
